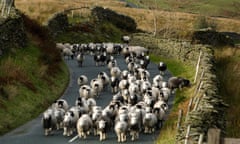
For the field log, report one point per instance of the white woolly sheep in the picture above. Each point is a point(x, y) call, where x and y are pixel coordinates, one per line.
point(84, 125)
point(80, 58)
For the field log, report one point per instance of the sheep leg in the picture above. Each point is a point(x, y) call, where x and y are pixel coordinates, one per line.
point(101, 136)
point(119, 137)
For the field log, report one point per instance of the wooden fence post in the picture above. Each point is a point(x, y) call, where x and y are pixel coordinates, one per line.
point(189, 108)
point(214, 136)
point(200, 140)
point(180, 114)
point(187, 134)
point(197, 68)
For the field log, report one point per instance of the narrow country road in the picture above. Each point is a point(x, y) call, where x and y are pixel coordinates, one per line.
point(32, 132)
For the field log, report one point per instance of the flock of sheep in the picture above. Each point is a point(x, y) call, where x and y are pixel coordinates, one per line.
point(138, 105)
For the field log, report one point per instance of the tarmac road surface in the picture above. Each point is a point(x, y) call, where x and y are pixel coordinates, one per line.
point(32, 132)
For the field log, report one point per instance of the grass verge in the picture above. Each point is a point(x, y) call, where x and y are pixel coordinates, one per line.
point(177, 68)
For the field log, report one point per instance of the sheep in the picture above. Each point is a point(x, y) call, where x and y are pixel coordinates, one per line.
point(131, 67)
point(114, 84)
point(95, 116)
point(86, 91)
point(145, 85)
point(67, 53)
point(123, 84)
point(91, 102)
point(166, 93)
point(126, 39)
point(102, 128)
point(138, 50)
point(49, 121)
point(125, 94)
point(100, 58)
point(121, 128)
point(59, 115)
point(82, 105)
point(160, 109)
point(97, 86)
point(70, 120)
point(112, 63)
point(177, 82)
point(60, 103)
point(117, 48)
point(80, 58)
point(84, 125)
point(60, 46)
point(104, 124)
point(105, 78)
point(109, 48)
point(135, 124)
point(124, 74)
point(115, 72)
point(82, 80)
point(149, 122)
point(162, 67)
point(157, 80)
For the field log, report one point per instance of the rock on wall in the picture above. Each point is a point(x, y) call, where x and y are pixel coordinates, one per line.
point(12, 32)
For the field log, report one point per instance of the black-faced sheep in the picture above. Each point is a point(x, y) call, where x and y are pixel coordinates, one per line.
point(60, 103)
point(162, 67)
point(82, 80)
point(178, 82)
point(49, 121)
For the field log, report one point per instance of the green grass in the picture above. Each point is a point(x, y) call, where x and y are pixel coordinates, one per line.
point(26, 93)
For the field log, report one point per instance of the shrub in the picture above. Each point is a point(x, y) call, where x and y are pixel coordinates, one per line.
point(121, 21)
point(203, 23)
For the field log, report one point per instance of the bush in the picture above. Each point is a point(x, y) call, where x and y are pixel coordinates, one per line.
point(121, 21)
point(203, 23)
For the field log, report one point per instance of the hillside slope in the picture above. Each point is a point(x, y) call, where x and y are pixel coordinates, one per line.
point(31, 78)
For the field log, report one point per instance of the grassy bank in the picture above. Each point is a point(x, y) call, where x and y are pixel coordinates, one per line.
point(31, 78)
point(30, 93)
